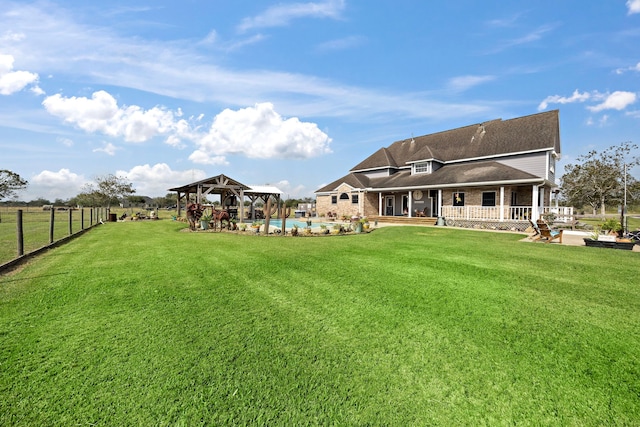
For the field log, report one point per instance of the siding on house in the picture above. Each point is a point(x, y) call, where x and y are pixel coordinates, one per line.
point(535, 163)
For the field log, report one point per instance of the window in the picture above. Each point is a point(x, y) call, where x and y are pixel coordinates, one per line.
point(489, 198)
point(424, 167)
point(344, 196)
point(458, 199)
point(334, 200)
point(354, 199)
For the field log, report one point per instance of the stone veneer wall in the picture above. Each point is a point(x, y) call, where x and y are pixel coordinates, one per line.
point(367, 206)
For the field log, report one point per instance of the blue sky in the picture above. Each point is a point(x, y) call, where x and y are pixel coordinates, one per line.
point(294, 94)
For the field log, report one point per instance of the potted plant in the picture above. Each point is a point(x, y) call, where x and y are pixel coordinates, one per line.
point(611, 226)
point(242, 226)
point(294, 230)
point(324, 229)
point(607, 240)
point(204, 221)
point(337, 229)
point(365, 223)
point(256, 226)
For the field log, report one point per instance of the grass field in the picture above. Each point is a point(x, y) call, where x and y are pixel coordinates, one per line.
point(36, 226)
point(138, 323)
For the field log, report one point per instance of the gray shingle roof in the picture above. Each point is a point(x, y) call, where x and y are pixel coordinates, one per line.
point(493, 138)
point(449, 175)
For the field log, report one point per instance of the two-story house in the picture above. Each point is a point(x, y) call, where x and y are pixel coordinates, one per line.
point(496, 174)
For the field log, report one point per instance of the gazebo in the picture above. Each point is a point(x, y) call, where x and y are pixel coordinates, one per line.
point(229, 190)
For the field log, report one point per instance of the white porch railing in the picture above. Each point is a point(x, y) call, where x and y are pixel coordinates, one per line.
point(563, 213)
point(510, 213)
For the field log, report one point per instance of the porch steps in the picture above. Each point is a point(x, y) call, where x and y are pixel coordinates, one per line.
point(403, 220)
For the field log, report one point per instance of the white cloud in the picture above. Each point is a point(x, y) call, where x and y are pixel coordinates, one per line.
point(11, 36)
point(291, 190)
point(107, 148)
point(633, 6)
point(56, 185)
point(101, 113)
point(65, 141)
point(618, 100)
point(282, 14)
point(341, 44)
point(255, 132)
point(260, 132)
point(632, 68)
point(557, 99)
point(462, 83)
point(530, 37)
point(155, 181)
point(13, 81)
point(600, 123)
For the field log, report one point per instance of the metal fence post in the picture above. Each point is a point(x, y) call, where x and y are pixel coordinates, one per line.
point(70, 221)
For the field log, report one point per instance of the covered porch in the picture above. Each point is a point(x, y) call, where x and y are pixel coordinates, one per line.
point(503, 207)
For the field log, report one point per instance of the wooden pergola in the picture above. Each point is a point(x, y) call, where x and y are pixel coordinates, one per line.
point(227, 188)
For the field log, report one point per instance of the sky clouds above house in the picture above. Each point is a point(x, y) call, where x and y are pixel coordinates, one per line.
point(305, 89)
point(618, 100)
point(12, 81)
point(634, 6)
point(282, 14)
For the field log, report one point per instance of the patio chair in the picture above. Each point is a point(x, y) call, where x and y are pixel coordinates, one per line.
point(536, 231)
point(548, 234)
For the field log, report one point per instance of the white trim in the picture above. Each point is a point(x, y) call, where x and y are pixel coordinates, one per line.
point(538, 181)
point(496, 156)
point(501, 203)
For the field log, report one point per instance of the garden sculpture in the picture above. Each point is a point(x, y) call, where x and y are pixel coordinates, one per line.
point(194, 213)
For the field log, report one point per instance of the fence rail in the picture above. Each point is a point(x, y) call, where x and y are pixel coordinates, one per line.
point(26, 230)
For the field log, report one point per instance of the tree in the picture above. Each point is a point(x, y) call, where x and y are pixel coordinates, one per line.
point(10, 182)
point(599, 180)
point(107, 189)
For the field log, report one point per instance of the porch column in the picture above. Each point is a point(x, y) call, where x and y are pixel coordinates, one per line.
point(410, 207)
point(439, 210)
point(501, 203)
point(380, 207)
point(535, 215)
point(541, 201)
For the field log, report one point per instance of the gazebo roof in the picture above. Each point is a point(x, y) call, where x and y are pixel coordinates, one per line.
point(216, 184)
point(222, 184)
point(263, 189)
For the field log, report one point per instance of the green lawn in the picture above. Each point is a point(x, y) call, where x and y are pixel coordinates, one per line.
point(36, 227)
point(137, 323)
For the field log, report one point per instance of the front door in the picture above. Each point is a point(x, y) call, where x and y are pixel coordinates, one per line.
point(388, 205)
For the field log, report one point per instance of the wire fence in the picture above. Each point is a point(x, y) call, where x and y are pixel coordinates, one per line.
point(27, 229)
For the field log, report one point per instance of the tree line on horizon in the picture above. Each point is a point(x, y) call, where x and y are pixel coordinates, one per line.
point(106, 191)
point(597, 181)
